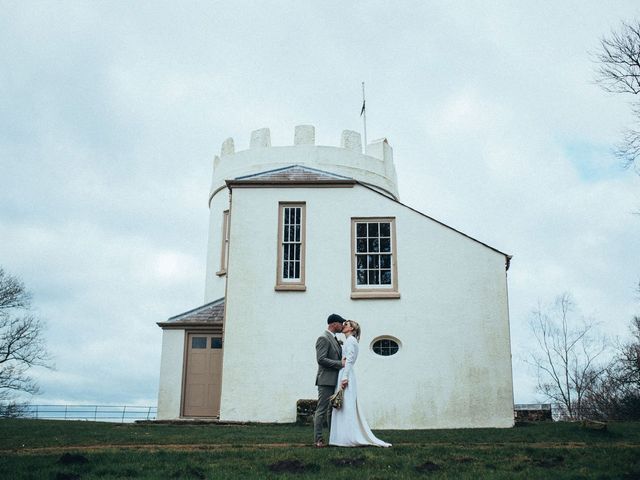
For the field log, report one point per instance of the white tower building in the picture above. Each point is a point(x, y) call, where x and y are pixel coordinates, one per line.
point(298, 232)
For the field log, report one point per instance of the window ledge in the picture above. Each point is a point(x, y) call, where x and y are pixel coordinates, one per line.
point(221, 273)
point(290, 288)
point(369, 294)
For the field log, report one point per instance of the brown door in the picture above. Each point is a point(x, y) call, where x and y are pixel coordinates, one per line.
point(203, 375)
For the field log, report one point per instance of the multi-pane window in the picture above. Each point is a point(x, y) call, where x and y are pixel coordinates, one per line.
point(374, 267)
point(291, 246)
point(373, 253)
point(291, 243)
point(201, 342)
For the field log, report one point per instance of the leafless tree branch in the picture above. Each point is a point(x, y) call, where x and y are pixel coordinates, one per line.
point(619, 60)
point(21, 339)
point(12, 293)
point(619, 72)
point(567, 357)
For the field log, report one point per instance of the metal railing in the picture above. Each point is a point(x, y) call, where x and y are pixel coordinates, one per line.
point(96, 413)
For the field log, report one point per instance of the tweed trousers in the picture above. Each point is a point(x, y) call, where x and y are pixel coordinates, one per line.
point(323, 410)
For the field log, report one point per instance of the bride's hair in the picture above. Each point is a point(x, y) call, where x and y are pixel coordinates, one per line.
point(356, 328)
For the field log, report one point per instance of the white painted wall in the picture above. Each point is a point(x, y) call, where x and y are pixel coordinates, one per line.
point(214, 284)
point(170, 390)
point(454, 368)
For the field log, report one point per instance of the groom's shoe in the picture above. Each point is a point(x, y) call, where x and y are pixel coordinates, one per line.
point(320, 444)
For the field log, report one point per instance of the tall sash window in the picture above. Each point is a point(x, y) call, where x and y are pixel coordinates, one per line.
point(291, 246)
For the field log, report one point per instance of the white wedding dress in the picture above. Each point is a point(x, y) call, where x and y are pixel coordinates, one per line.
point(349, 428)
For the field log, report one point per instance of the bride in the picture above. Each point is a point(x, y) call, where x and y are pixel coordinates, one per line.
point(349, 428)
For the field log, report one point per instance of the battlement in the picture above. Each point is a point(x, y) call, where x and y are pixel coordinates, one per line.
point(374, 167)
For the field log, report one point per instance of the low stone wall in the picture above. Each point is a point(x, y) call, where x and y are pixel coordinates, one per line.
point(533, 415)
point(305, 409)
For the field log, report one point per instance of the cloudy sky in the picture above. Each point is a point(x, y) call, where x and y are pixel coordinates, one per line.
point(111, 114)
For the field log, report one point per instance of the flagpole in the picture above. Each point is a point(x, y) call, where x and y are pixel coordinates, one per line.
point(364, 119)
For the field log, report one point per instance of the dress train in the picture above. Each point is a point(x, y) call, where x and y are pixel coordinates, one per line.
point(349, 427)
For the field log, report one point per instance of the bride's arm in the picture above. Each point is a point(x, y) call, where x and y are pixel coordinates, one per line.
point(349, 358)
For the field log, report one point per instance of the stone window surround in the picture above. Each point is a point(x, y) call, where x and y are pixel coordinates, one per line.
point(299, 285)
point(370, 292)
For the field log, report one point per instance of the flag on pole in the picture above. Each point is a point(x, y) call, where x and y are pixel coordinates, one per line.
point(363, 114)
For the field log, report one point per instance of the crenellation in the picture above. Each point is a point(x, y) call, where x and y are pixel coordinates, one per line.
point(379, 149)
point(228, 148)
point(260, 138)
point(351, 140)
point(304, 135)
point(374, 166)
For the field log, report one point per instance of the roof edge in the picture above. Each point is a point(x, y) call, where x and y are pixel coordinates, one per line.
point(295, 165)
point(508, 257)
point(193, 310)
point(289, 183)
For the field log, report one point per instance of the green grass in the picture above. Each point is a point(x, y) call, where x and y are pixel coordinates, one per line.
point(34, 449)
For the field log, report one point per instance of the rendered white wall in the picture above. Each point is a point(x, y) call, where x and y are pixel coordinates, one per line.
point(454, 367)
point(214, 284)
point(170, 390)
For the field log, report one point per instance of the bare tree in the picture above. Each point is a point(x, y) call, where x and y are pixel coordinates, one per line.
point(629, 357)
point(21, 339)
point(567, 355)
point(619, 72)
point(616, 395)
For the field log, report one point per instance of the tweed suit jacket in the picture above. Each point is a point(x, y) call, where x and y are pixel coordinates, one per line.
point(329, 357)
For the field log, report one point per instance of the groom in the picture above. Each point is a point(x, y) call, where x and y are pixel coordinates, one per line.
point(329, 357)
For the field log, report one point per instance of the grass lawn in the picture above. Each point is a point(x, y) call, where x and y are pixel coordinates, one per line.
point(54, 449)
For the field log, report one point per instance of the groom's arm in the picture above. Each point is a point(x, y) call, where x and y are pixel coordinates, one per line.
point(322, 355)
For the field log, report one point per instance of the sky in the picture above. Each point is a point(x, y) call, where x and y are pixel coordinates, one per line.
point(111, 114)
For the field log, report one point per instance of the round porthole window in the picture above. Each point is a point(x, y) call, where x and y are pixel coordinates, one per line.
point(385, 346)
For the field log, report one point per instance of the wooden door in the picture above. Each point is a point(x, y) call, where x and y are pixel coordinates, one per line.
point(203, 375)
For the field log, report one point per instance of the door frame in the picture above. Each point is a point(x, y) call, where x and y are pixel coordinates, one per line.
point(215, 330)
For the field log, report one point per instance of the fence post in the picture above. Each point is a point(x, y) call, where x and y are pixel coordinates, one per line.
point(148, 413)
point(36, 412)
point(124, 409)
point(95, 414)
point(65, 412)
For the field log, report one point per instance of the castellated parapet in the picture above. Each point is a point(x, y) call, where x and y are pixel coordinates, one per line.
point(374, 167)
